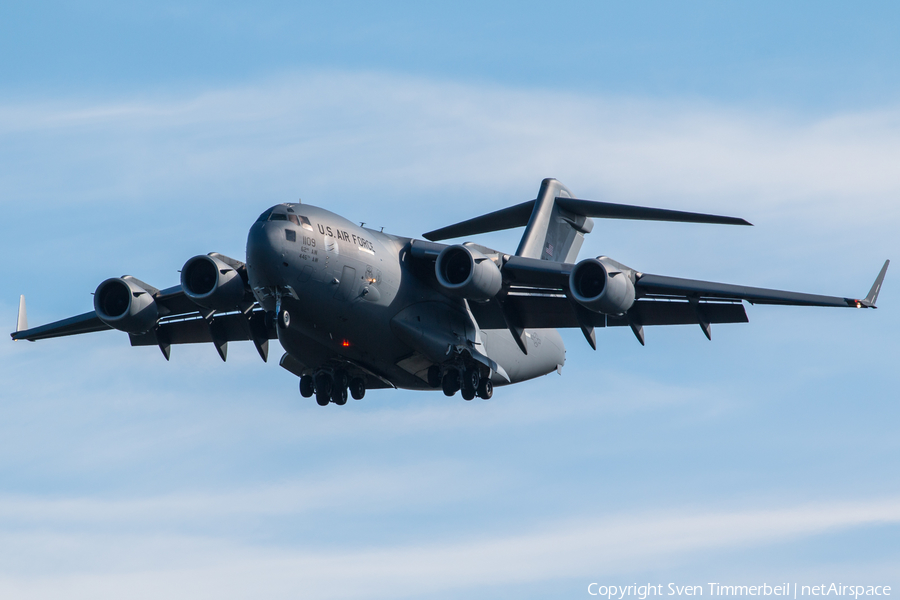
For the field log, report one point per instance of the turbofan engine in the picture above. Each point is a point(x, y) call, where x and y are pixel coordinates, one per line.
point(593, 285)
point(124, 305)
point(212, 283)
point(465, 272)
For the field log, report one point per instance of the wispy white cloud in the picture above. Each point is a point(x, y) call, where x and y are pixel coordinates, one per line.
point(352, 131)
point(383, 488)
point(175, 566)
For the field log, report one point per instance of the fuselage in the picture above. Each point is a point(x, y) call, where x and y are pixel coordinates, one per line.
point(355, 296)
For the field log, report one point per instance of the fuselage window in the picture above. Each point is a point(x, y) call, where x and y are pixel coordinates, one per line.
point(290, 235)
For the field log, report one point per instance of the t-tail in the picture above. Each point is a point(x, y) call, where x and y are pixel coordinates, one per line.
point(554, 233)
point(556, 222)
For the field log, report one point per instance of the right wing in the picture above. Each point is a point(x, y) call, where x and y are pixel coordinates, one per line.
point(181, 321)
point(172, 302)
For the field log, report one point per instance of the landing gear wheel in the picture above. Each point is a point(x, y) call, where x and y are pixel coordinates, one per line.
point(339, 396)
point(469, 382)
point(324, 384)
point(307, 387)
point(357, 388)
point(450, 382)
point(434, 376)
point(486, 389)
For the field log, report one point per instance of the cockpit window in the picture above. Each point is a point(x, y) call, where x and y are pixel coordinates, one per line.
point(265, 215)
point(293, 219)
point(278, 217)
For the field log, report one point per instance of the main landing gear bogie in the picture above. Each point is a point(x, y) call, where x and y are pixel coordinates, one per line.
point(328, 387)
point(468, 381)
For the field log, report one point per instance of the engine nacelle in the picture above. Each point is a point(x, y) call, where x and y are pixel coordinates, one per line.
point(467, 273)
point(212, 283)
point(124, 305)
point(593, 285)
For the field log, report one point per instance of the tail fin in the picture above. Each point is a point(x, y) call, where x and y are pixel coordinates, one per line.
point(553, 233)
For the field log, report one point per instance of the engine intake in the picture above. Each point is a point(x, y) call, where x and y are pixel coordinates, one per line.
point(593, 285)
point(212, 283)
point(465, 272)
point(124, 305)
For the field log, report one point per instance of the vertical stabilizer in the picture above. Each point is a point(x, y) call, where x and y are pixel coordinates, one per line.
point(553, 233)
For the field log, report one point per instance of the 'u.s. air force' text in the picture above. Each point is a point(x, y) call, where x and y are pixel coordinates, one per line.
point(347, 237)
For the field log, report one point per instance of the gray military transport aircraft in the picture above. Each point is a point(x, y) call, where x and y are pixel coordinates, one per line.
point(358, 309)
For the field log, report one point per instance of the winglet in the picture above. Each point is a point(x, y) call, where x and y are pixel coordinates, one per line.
point(22, 320)
point(869, 301)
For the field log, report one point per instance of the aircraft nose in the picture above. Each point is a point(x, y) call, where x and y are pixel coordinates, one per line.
point(264, 254)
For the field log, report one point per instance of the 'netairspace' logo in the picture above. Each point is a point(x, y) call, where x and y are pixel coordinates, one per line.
point(642, 592)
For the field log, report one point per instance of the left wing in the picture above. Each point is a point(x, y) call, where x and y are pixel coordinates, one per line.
point(539, 295)
point(659, 285)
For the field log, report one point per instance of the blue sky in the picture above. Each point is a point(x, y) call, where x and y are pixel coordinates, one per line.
point(134, 137)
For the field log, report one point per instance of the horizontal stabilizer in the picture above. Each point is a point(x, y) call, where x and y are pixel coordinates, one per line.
point(608, 210)
point(519, 215)
point(507, 218)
